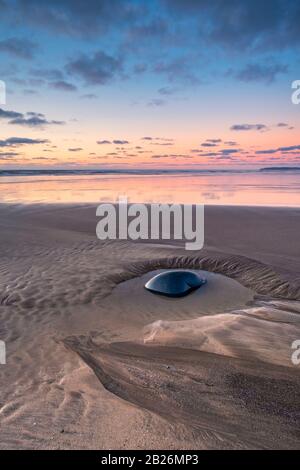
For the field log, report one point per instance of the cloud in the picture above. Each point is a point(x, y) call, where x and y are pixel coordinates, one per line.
point(291, 148)
point(160, 156)
point(140, 68)
point(103, 142)
point(89, 96)
point(214, 141)
point(21, 48)
point(120, 142)
point(29, 119)
point(75, 17)
point(9, 114)
point(35, 122)
point(147, 138)
point(164, 139)
point(222, 153)
point(63, 86)
point(47, 74)
point(209, 154)
point(173, 156)
point(225, 157)
point(163, 144)
point(8, 155)
point(249, 127)
point(75, 149)
point(146, 32)
point(260, 73)
point(240, 26)
point(167, 91)
point(156, 102)
point(97, 69)
point(268, 151)
point(230, 142)
point(208, 144)
point(177, 70)
point(18, 141)
point(229, 151)
point(282, 124)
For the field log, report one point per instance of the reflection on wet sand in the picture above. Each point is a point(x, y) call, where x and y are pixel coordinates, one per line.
point(216, 188)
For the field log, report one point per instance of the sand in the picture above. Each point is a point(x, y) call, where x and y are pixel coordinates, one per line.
point(94, 361)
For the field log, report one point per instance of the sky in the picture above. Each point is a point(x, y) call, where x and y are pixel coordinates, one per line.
point(149, 84)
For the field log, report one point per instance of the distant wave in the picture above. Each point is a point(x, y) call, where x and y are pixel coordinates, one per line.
point(50, 172)
point(141, 171)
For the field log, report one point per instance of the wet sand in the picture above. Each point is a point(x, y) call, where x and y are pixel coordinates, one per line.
point(96, 361)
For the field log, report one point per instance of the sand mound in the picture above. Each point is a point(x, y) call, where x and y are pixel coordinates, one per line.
point(225, 396)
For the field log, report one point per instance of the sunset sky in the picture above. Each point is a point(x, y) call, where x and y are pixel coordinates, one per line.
point(149, 84)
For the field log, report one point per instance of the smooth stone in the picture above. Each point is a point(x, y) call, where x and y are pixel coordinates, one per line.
point(175, 283)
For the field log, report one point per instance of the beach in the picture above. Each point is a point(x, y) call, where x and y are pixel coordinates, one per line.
point(94, 361)
point(149, 230)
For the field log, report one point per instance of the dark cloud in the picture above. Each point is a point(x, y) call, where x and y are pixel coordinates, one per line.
point(76, 17)
point(243, 25)
point(75, 149)
point(140, 68)
point(214, 141)
point(220, 153)
point(21, 48)
point(263, 152)
point(63, 86)
point(18, 141)
point(147, 138)
point(29, 119)
point(97, 69)
point(45, 158)
point(260, 73)
point(156, 28)
point(208, 144)
point(249, 127)
point(35, 122)
point(9, 114)
point(229, 151)
point(291, 148)
point(209, 154)
point(120, 142)
point(167, 91)
point(282, 124)
point(103, 142)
